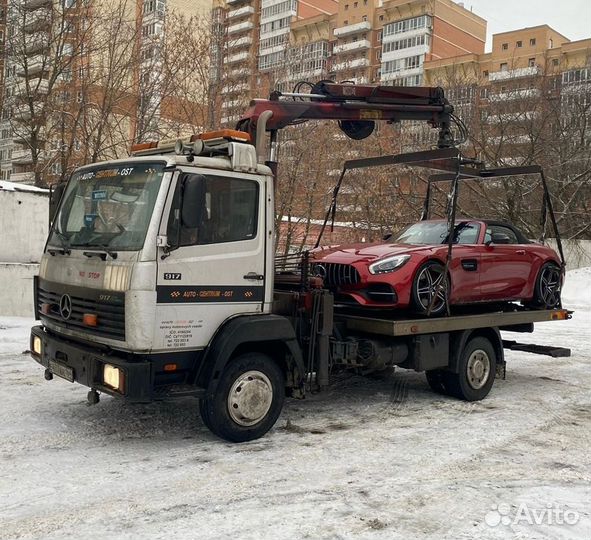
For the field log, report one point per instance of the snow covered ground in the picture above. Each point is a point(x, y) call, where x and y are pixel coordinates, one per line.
point(370, 459)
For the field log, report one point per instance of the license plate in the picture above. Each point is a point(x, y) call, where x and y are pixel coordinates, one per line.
point(65, 372)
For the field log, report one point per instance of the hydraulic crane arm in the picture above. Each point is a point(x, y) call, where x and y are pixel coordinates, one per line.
point(356, 107)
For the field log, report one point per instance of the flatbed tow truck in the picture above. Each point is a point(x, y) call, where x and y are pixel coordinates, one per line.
point(159, 278)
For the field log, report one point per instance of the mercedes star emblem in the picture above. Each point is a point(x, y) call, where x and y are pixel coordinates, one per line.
point(66, 306)
point(319, 270)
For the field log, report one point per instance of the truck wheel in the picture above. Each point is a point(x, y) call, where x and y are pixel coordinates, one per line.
point(247, 400)
point(429, 282)
point(476, 371)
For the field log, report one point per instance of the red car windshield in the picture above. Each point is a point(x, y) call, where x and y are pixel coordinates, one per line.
point(435, 232)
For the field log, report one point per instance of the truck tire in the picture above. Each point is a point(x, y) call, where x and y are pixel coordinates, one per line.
point(476, 371)
point(247, 400)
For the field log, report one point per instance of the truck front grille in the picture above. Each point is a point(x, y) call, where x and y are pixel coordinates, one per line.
point(335, 274)
point(109, 308)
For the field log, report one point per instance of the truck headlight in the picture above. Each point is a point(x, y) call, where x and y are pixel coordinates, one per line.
point(113, 377)
point(37, 345)
point(388, 265)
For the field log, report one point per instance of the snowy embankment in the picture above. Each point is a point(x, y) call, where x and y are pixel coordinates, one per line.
point(369, 459)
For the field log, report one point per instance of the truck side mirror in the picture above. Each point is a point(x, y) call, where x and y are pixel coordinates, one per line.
point(193, 201)
point(55, 196)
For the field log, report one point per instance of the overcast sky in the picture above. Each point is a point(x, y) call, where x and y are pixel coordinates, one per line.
point(569, 17)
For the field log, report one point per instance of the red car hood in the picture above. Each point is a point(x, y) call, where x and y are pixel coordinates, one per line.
point(365, 252)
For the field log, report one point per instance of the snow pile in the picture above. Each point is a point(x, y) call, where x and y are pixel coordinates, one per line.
point(14, 334)
point(14, 186)
point(576, 292)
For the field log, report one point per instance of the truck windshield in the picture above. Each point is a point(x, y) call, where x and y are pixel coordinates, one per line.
point(108, 207)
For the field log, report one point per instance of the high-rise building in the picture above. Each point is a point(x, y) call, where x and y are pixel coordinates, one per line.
point(512, 94)
point(273, 44)
point(67, 63)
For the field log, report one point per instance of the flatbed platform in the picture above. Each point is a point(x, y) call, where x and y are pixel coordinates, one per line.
point(409, 327)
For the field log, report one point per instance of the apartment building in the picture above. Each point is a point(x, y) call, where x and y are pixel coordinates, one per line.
point(275, 43)
point(55, 79)
point(530, 74)
point(253, 49)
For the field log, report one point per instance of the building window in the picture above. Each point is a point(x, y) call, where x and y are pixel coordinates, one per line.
point(555, 61)
point(519, 44)
point(355, 4)
point(551, 44)
point(346, 7)
point(485, 73)
point(381, 17)
point(505, 46)
point(504, 66)
point(364, 18)
point(379, 36)
point(531, 62)
point(532, 41)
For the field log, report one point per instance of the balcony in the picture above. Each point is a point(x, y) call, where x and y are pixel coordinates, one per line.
point(530, 71)
point(358, 62)
point(36, 86)
point(351, 29)
point(23, 177)
point(354, 46)
point(231, 104)
point(37, 20)
point(23, 113)
point(527, 93)
point(512, 118)
point(32, 5)
point(235, 2)
point(238, 74)
point(229, 119)
point(232, 59)
point(240, 12)
point(35, 65)
point(401, 73)
point(37, 42)
point(311, 74)
point(240, 42)
point(240, 27)
point(235, 88)
point(23, 156)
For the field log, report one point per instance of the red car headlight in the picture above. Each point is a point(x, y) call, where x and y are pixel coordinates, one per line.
point(389, 264)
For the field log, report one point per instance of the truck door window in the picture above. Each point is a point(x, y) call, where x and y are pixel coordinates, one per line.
point(229, 213)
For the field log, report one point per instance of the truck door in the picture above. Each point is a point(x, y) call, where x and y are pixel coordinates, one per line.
point(216, 269)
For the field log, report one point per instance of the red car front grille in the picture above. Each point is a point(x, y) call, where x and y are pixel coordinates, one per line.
point(335, 274)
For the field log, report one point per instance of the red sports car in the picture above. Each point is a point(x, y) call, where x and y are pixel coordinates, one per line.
point(491, 262)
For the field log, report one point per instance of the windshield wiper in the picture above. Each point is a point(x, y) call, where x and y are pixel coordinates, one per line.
point(64, 250)
point(102, 252)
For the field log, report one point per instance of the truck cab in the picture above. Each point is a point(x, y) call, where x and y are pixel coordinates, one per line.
point(147, 259)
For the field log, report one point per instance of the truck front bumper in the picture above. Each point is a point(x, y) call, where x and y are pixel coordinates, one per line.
point(85, 365)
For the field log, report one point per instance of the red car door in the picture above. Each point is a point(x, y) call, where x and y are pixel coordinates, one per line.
point(465, 265)
point(505, 264)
